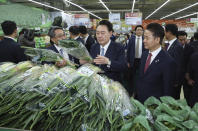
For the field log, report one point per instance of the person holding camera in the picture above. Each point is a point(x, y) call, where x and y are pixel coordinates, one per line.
point(26, 38)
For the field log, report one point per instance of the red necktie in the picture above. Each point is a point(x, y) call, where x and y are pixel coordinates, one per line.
point(147, 62)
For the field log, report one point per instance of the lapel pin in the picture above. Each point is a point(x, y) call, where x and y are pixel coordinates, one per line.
point(156, 61)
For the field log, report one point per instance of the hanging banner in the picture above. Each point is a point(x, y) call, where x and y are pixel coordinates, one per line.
point(114, 17)
point(81, 19)
point(133, 18)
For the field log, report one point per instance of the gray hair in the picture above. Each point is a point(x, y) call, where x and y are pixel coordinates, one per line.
point(51, 32)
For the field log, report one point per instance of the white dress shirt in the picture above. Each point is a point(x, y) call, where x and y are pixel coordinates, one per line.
point(105, 47)
point(140, 45)
point(85, 39)
point(155, 53)
point(9, 37)
point(170, 43)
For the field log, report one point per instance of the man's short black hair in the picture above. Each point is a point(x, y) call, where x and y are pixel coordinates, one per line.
point(108, 24)
point(181, 33)
point(74, 30)
point(8, 27)
point(196, 35)
point(171, 28)
point(83, 29)
point(157, 30)
point(51, 32)
point(139, 26)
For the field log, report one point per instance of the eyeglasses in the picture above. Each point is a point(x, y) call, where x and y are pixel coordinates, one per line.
point(60, 35)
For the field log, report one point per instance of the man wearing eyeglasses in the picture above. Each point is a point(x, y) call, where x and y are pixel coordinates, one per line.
point(56, 33)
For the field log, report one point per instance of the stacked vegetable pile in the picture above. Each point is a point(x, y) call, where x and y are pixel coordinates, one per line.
point(46, 98)
point(166, 114)
point(42, 97)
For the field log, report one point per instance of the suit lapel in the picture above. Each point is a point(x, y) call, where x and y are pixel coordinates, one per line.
point(156, 61)
point(143, 62)
point(54, 48)
point(97, 52)
point(172, 46)
point(143, 44)
point(109, 51)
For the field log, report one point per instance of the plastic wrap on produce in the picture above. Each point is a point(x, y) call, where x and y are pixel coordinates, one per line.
point(76, 49)
point(113, 93)
point(33, 81)
point(5, 66)
point(44, 55)
point(13, 70)
point(13, 81)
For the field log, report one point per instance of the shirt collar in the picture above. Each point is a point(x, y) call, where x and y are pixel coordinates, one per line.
point(171, 41)
point(155, 52)
point(138, 37)
point(76, 38)
point(106, 46)
point(57, 47)
point(9, 37)
point(85, 39)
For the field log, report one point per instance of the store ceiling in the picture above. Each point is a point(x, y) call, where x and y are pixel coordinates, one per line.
point(121, 6)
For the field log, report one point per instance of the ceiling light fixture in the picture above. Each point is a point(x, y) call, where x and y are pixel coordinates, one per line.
point(179, 11)
point(196, 13)
point(45, 5)
point(83, 9)
point(133, 6)
point(105, 6)
point(157, 9)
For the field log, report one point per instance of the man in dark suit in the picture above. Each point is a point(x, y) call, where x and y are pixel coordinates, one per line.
point(108, 55)
point(88, 39)
point(56, 33)
point(156, 74)
point(175, 50)
point(134, 53)
point(75, 34)
point(188, 50)
point(9, 49)
point(194, 43)
point(192, 77)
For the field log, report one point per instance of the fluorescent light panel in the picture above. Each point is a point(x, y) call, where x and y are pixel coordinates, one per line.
point(105, 6)
point(133, 6)
point(83, 9)
point(45, 5)
point(179, 10)
point(157, 9)
point(196, 13)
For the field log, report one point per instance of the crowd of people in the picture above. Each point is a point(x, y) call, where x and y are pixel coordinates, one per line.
point(155, 61)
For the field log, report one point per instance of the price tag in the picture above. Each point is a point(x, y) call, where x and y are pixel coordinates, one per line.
point(84, 71)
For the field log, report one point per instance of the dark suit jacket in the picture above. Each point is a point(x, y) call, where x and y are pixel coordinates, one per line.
point(115, 53)
point(194, 45)
point(11, 51)
point(131, 50)
point(177, 53)
point(80, 40)
point(193, 70)
point(158, 80)
point(188, 51)
point(90, 41)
